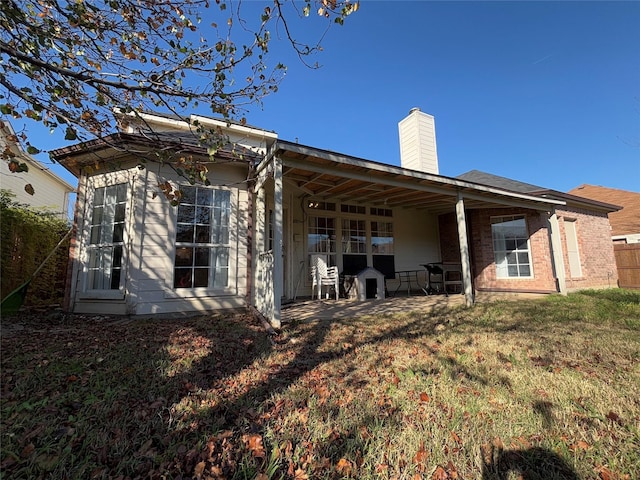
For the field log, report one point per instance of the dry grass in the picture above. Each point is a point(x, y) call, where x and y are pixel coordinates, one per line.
point(538, 389)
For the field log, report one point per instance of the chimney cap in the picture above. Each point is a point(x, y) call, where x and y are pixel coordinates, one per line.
point(414, 109)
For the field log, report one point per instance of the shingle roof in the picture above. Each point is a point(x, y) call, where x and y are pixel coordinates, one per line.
point(624, 221)
point(497, 181)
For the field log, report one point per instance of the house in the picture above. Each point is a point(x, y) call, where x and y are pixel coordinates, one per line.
point(625, 229)
point(51, 192)
point(625, 223)
point(273, 207)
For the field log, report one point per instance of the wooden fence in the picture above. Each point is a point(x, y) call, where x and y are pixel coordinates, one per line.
point(628, 262)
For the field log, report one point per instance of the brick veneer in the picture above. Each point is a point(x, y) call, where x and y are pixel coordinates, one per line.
point(595, 248)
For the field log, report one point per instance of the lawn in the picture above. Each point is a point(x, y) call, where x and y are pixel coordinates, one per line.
point(535, 389)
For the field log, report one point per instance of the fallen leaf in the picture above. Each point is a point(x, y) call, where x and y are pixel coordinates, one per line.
point(424, 397)
point(614, 417)
point(199, 470)
point(421, 455)
point(439, 474)
point(344, 467)
point(254, 444)
point(605, 474)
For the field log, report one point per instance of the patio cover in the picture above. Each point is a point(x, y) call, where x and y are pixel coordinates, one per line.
point(331, 175)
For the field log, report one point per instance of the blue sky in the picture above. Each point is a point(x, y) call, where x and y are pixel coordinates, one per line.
point(543, 92)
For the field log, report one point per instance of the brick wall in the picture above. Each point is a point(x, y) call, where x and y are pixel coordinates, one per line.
point(594, 244)
point(595, 248)
point(483, 259)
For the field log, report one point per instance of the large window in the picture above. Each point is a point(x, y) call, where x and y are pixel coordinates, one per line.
point(202, 239)
point(321, 238)
point(106, 238)
point(382, 248)
point(511, 247)
point(354, 246)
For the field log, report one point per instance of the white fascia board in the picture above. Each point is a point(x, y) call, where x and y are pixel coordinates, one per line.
point(241, 129)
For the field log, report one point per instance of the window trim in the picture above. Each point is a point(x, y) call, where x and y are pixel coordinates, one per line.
point(505, 218)
point(94, 183)
point(231, 288)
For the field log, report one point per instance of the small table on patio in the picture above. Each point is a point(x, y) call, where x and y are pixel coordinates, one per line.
point(406, 276)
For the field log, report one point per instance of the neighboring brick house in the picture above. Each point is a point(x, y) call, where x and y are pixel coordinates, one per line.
point(625, 223)
point(251, 236)
point(51, 193)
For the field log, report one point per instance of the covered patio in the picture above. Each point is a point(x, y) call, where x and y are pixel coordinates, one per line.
point(296, 184)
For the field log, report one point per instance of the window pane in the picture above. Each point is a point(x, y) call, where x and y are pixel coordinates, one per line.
point(115, 279)
point(203, 234)
point(205, 196)
point(182, 278)
point(201, 277)
point(184, 233)
point(96, 217)
point(184, 256)
point(119, 215)
point(188, 195)
point(95, 234)
point(118, 231)
point(202, 257)
point(121, 196)
point(186, 213)
point(98, 198)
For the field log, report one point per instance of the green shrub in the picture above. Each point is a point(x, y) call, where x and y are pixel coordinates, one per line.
point(28, 236)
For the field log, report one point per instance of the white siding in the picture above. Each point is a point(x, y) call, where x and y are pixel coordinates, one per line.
point(418, 142)
point(51, 193)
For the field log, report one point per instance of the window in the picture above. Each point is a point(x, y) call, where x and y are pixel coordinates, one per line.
point(381, 212)
point(354, 246)
point(202, 239)
point(321, 238)
point(354, 237)
point(382, 248)
point(358, 209)
point(511, 247)
point(106, 238)
point(382, 238)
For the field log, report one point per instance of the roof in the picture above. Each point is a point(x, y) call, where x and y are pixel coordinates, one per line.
point(119, 146)
point(572, 198)
point(623, 222)
point(484, 178)
point(338, 177)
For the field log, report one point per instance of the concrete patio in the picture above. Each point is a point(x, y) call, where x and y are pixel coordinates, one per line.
point(311, 310)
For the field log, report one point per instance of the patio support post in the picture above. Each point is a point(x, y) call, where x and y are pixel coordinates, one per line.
point(464, 251)
point(278, 276)
point(556, 252)
point(259, 245)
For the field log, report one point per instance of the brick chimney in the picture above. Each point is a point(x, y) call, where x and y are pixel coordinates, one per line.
point(417, 134)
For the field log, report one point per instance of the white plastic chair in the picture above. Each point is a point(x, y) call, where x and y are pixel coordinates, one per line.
point(322, 275)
